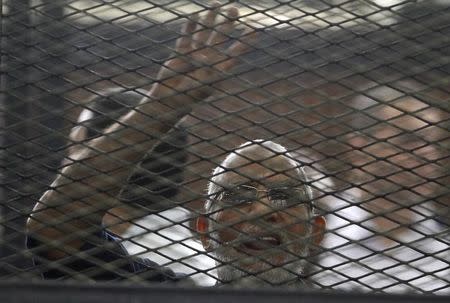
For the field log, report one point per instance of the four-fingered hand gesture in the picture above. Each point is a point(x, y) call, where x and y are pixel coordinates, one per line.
point(202, 54)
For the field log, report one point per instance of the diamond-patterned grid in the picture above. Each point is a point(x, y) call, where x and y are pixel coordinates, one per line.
point(357, 91)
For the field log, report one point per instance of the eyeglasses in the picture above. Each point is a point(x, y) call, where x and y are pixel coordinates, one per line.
point(279, 197)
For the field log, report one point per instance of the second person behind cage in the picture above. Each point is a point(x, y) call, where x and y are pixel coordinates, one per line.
point(259, 222)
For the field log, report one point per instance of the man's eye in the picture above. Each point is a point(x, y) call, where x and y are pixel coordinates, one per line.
point(277, 194)
point(239, 197)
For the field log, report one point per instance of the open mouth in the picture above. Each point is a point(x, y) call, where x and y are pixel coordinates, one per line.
point(261, 242)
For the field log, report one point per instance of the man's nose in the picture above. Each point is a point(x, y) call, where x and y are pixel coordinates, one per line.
point(263, 210)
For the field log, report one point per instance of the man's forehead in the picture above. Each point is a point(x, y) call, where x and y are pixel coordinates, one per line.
point(278, 172)
point(263, 162)
point(262, 155)
point(267, 183)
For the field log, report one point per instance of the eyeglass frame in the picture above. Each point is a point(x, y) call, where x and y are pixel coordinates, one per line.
point(304, 197)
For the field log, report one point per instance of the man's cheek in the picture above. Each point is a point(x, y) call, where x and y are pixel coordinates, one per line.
point(298, 236)
point(228, 225)
point(230, 233)
point(298, 230)
point(227, 235)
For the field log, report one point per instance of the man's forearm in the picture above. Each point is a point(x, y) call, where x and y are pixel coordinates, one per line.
point(85, 190)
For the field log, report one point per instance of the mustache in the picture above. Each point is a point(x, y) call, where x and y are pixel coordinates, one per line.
point(232, 261)
point(248, 235)
point(255, 232)
point(233, 252)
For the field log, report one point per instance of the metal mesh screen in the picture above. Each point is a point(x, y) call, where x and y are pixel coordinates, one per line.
point(300, 144)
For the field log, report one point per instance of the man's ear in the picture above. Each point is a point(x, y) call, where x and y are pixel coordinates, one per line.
point(318, 229)
point(202, 226)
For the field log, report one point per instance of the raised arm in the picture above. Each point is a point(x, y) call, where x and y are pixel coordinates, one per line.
point(73, 208)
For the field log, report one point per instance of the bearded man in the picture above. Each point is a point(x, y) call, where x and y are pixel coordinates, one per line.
point(259, 221)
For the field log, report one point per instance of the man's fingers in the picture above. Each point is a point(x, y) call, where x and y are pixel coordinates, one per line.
point(202, 36)
point(201, 44)
point(244, 44)
point(238, 48)
point(221, 34)
point(184, 43)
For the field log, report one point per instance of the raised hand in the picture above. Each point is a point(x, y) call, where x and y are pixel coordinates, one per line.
point(203, 56)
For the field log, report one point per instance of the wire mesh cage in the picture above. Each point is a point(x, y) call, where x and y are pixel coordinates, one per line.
point(286, 143)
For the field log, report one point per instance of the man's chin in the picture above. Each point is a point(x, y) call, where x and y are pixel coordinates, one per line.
point(255, 266)
point(255, 272)
point(268, 267)
point(266, 260)
point(271, 277)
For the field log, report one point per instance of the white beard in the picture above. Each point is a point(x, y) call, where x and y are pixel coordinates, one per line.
point(230, 261)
